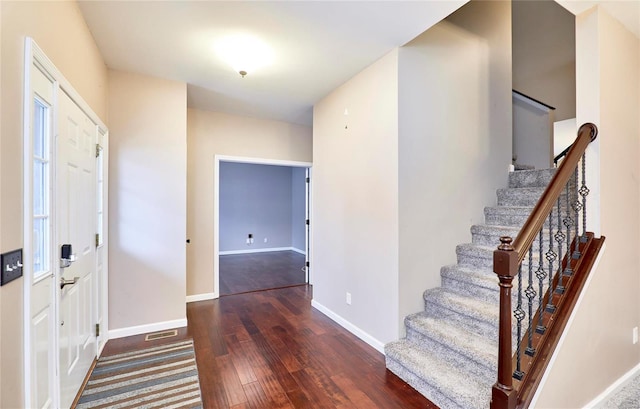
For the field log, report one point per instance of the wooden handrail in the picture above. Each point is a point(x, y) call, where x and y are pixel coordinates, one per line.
point(586, 134)
point(508, 257)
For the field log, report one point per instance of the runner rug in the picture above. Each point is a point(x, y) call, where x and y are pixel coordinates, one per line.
point(165, 377)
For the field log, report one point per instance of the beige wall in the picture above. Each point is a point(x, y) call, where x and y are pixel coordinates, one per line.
point(214, 133)
point(355, 200)
point(544, 54)
point(455, 139)
point(59, 29)
point(598, 345)
point(147, 201)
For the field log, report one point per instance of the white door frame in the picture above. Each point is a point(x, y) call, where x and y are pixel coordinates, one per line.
point(35, 55)
point(216, 205)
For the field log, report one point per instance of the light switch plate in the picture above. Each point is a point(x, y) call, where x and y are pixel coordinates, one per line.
point(10, 266)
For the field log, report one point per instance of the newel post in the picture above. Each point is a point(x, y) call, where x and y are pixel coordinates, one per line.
point(505, 265)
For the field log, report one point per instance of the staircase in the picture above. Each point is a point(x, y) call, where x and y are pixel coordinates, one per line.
point(450, 352)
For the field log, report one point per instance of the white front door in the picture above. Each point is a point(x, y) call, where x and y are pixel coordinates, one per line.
point(75, 213)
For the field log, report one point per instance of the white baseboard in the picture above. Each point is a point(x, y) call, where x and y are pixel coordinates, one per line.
point(202, 297)
point(374, 343)
point(621, 381)
point(144, 329)
point(298, 250)
point(249, 251)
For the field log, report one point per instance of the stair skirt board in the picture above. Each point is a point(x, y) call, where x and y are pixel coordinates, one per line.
point(450, 351)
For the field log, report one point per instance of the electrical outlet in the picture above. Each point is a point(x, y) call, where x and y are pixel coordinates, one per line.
point(635, 335)
point(265, 240)
point(248, 241)
point(348, 298)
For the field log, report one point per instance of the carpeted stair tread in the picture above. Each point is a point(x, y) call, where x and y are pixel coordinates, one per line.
point(473, 347)
point(470, 282)
point(476, 256)
point(445, 384)
point(475, 315)
point(531, 178)
point(482, 285)
point(507, 215)
point(489, 235)
point(523, 196)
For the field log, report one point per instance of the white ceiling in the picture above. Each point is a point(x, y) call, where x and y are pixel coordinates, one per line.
point(318, 46)
point(625, 11)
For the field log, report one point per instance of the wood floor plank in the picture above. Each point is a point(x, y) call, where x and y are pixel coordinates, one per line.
point(256, 396)
point(357, 397)
point(232, 385)
point(271, 349)
point(242, 366)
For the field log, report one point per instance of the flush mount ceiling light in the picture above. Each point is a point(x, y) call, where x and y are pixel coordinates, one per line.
point(244, 53)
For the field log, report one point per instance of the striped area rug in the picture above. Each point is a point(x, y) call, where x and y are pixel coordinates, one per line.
point(165, 377)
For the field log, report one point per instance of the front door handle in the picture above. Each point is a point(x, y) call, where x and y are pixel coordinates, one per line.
point(64, 282)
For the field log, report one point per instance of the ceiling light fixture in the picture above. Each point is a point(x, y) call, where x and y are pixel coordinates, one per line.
point(244, 53)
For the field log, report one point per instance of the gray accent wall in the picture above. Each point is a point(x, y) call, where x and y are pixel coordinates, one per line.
point(259, 200)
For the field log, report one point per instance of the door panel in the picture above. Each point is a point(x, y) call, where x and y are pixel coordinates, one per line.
point(41, 327)
point(75, 210)
point(42, 313)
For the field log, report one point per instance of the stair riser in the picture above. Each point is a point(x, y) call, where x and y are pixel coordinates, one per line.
point(491, 240)
point(517, 197)
point(472, 324)
point(498, 219)
point(538, 178)
point(510, 216)
point(484, 260)
point(491, 295)
point(486, 370)
point(426, 389)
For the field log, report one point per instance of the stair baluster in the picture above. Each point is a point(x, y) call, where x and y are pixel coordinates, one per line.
point(564, 282)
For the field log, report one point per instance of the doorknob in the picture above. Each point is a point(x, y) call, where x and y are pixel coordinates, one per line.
point(64, 282)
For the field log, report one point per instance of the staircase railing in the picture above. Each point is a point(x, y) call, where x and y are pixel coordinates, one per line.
point(561, 155)
point(551, 258)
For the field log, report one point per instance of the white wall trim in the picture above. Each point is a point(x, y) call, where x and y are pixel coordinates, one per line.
point(262, 161)
point(216, 200)
point(621, 381)
point(374, 343)
point(201, 297)
point(265, 250)
point(144, 329)
point(543, 381)
point(298, 250)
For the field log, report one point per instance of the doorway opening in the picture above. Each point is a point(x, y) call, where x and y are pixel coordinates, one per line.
point(261, 228)
point(544, 83)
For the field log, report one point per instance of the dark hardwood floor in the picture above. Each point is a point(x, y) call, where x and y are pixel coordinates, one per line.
point(241, 273)
point(271, 349)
